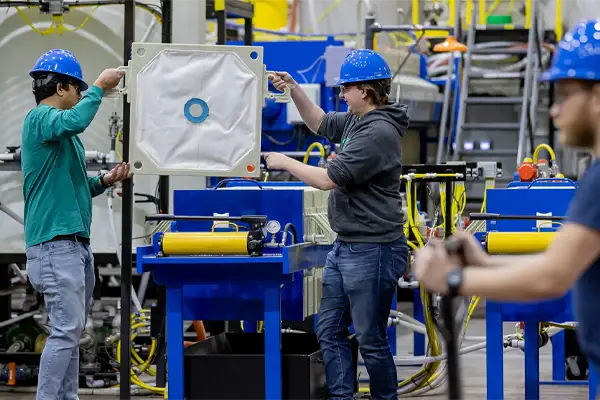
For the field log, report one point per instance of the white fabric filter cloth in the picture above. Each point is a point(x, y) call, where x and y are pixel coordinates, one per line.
point(224, 82)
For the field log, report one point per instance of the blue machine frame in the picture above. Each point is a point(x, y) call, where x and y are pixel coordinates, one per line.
point(548, 197)
point(305, 62)
point(233, 287)
point(544, 196)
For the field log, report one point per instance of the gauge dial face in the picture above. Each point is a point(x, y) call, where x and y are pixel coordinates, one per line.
point(273, 227)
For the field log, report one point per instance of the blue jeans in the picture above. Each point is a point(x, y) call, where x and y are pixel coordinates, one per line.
point(359, 282)
point(64, 272)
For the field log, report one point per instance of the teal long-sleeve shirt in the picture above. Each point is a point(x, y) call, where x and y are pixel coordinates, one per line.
point(58, 193)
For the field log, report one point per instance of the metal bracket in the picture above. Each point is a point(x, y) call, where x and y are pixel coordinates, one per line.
point(278, 97)
point(119, 91)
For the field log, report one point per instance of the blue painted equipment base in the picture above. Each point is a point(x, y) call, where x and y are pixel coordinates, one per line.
point(546, 197)
point(418, 338)
point(495, 316)
point(261, 278)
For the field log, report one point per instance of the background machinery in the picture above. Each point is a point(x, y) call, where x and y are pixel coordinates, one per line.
point(224, 252)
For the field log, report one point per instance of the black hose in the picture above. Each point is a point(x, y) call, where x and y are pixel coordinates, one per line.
point(290, 228)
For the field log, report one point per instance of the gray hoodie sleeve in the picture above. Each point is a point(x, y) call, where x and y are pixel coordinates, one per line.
point(332, 126)
point(372, 149)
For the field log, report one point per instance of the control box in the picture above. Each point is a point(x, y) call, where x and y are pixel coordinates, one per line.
point(313, 91)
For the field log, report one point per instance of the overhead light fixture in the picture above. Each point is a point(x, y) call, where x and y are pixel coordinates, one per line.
point(485, 145)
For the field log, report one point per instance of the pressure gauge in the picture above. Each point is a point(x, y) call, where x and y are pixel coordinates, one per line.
point(273, 227)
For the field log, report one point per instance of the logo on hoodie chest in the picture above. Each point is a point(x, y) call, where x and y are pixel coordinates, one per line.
point(343, 142)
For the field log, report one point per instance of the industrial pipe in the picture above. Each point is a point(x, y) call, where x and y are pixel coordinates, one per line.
point(376, 27)
point(499, 217)
point(12, 214)
point(16, 319)
point(10, 156)
point(134, 390)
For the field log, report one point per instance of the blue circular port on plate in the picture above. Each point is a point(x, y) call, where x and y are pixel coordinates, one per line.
point(195, 119)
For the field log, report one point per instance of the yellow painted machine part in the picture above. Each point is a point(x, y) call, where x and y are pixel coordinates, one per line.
point(270, 14)
point(205, 243)
point(519, 242)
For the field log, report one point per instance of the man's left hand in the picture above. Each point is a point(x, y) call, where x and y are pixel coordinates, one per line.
point(432, 265)
point(117, 174)
point(276, 161)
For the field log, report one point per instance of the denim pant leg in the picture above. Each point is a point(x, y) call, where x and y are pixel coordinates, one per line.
point(332, 331)
point(58, 270)
point(70, 384)
point(370, 273)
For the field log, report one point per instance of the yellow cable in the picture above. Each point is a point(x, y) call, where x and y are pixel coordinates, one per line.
point(551, 223)
point(430, 372)
point(133, 376)
point(58, 26)
point(411, 223)
point(483, 204)
point(493, 8)
point(117, 146)
point(153, 12)
point(543, 146)
point(144, 366)
point(236, 226)
point(259, 326)
point(401, 39)
point(472, 307)
point(325, 13)
point(49, 31)
point(412, 245)
point(310, 148)
point(563, 326)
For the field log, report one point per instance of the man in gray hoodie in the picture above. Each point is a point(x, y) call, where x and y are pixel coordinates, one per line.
point(365, 210)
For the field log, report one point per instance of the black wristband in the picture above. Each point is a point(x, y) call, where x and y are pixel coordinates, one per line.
point(104, 185)
point(455, 281)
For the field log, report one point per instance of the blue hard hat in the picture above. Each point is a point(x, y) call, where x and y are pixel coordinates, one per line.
point(578, 55)
point(363, 65)
point(61, 62)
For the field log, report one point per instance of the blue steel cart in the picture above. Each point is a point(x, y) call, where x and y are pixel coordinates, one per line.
point(549, 197)
point(212, 287)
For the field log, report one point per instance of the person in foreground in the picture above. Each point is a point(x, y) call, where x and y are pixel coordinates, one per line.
point(574, 257)
point(58, 209)
point(365, 210)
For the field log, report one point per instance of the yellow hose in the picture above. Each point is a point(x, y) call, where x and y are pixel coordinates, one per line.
point(58, 26)
point(143, 365)
point(543, 146)
point(411, 223)
point(430, 372)
point(412, 245)
point(310, 148)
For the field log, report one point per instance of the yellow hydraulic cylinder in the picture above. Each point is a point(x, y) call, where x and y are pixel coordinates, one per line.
point(518, 242)
point(205, 243)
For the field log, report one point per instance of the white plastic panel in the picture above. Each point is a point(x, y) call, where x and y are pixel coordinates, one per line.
point(313, 91)
point(196, 109)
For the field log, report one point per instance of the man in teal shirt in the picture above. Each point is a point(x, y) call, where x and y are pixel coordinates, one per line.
point(58, 209)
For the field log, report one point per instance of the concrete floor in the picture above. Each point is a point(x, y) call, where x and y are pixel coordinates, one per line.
point(473, 373)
